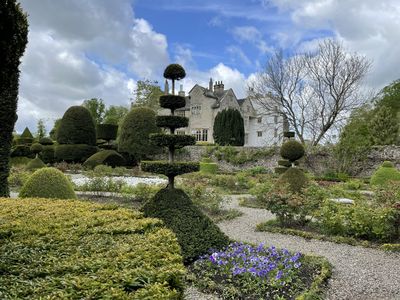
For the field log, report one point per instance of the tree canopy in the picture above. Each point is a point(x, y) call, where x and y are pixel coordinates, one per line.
point(147, 94)
point(229, 128)
point(96, 108)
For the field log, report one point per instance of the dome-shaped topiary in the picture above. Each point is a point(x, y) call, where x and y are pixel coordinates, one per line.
point(384, 174)
point(294, 178)
point(48, 183)
point(106, 157)
point(36, 148)
point(174, 72)
point(387, 164)
point(35, 164)
point(46, 141)
point(77, 127)
point(195, 232)
point(292, 150)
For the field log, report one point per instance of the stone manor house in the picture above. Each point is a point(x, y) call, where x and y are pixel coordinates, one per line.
point(203, 104)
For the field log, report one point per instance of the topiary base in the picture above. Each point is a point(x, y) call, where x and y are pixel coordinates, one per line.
point(295, 178)
point(196, 233)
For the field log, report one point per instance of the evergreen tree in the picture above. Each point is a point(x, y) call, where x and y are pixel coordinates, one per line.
point(96, 108)
point(14, 37)
point(41, 129)
point(229, 128)
point(384, 127)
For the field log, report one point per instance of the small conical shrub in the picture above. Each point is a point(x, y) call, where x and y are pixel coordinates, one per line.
point(295, 178)
point(384, 174)
point(35, 164)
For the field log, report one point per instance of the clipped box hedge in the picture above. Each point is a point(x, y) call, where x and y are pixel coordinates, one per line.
point(172, 101)
point(172, 122)
point(74, 153)
point(172, 140)
point(60, 249)
point(169, 169)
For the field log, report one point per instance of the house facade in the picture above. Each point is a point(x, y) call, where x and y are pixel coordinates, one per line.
point(203, 105)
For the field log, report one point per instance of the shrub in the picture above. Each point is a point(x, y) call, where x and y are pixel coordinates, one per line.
point(292, 150)
point(18, 177)
point(280, 170)
point(58, 249)
point(23, 141)
point(74, 153)
point(19, 161)
point(135, 129)
point(172, 102)
point(294, 178)
point(47, 155)
point(387, 164)
point(169, 169)
point(35, 163)
point(21, 150)
point(209, 168)
point(106, 157)
point(26, 134)
point(172, 122)
point(46, 141)
point(48, 183)
point(384, 174)
point(172, 140)
point(174, 72)
point(107, 132)
point(77, 127)
point(285, 163)
point(36, 148)
point(229, 128)
point(195, 232)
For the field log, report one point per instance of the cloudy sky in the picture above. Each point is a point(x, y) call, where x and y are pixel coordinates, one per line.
point(80, 49)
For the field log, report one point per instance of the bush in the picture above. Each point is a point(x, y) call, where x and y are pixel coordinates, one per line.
point(77, 127)
point(169, 169)
point(18, 177)
point(21, 150)
point(172, 102)
point(280, 170)
point(46, 141)
point(107, 132)
point(384, 174)
point(229, 128)
point(195, 232)
point(172, 122)
point(292, 150)
point(74, 153)
point(26, 134)
point(23, 141)
point(135, 129)
point(36, 148)
point(57, 249)
point(174, 72)
point(19, 161)
point(387, 164)
point(172, 140)
point(106, 157)
point(48, 183)
point(35, 163)
point(284, 163)
point(47, 155)
point(294, 178)
point(209, 168)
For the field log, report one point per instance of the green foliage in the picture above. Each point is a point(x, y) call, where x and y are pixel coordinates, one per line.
point(195, 232)
point(280, 170)
point(105, 157)
point(232, 155)
point(288, 134)
point(21, 150)
point(229, 128)
point(295, 179)
point(208, 168)
point(14, 33)
point(146, 94)
point(77, 127)
point(74, 153)
point(107, 132)
point(57, 249)
point(18, 177)
point(115, 114)
point(172, 140)
point(36, 148)
point(389, 97)
point(53, 131)
point(384, 127)
point(35, 164)
point(26, 134)
point(48, 183)
point(387, 164)
point(384, 174)
point(24, 141)
point(96, 108)
point(174, 72)
point(19, 161)
point(133, 138)
point(172, 102)
point(46, 141)
point(41, 129)
point(99, 184)
point(285, 163)
point(48, 154)
point(292, 150)
point(169, 169)
point(172, 122)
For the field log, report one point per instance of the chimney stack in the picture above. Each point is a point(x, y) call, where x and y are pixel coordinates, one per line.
point(218, 87)
point(210, 85)
point(181, 91)
point(166, 87)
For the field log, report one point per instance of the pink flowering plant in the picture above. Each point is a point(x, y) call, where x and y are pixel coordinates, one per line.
point(242, 271)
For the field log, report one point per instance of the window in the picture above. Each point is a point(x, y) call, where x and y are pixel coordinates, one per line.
point(246, 138)
point(196, 109)
point(180, 132)
point(198, 135)
point(259, 133)
point(180, 113)
point(276, 132)
point(259, 119)
point(276, 119)
point(205, 135)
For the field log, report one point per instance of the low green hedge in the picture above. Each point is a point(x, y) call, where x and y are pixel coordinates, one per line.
point(195, 232)
point(209, 168)
point(21, 150)
point(169, 169)
point(172, 140)
point(57, 249)
point(106, 157)
point(74, 153)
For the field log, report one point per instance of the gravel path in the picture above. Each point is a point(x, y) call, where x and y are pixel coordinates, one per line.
point(359, 273)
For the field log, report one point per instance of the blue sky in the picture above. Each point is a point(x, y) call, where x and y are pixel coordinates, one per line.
point(101, 48)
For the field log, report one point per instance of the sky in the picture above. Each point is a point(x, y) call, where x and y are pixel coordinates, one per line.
point(82, 49)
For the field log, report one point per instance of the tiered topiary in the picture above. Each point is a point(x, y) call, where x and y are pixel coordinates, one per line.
point(23, 144)
point(384, 174)
point(47, 153)
point(196, 233)
point(48, 183)
point(76, 135)
point(105, 157)
point(290, 174)
point(26, 138)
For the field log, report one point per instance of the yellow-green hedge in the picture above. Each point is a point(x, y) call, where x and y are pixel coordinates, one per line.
point(57, 249)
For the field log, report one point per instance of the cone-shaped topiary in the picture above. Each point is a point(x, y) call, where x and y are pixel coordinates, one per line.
point(195, 232)
point(77, 127)
point(384, 174)
point(26, 133)
point(47, 183)
point(35, 163)
point(295, 178)
point(26, 137)
point(292, 150)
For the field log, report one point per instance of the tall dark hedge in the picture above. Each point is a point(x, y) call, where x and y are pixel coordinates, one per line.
point(134, 133)
point(14, 37)
point(229, 128)
point(77, 127)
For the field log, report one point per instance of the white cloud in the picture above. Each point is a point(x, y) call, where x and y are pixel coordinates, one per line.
point(236, 52)
point(251, 35)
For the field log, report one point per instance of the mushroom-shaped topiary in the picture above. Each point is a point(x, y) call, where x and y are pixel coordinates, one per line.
point(292, 150)
point(36, 148)
point(47, 183)
point(174, 72)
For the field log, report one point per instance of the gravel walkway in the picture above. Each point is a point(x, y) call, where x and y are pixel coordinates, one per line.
point(359, 273)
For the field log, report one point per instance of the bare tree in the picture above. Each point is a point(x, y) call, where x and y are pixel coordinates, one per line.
point(312, 91)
